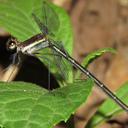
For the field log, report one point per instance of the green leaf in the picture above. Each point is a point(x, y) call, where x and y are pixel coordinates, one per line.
point(16, 21)
point(92, 56)
point(109, 108)
point(25, 105)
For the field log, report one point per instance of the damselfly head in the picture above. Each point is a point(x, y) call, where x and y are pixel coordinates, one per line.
point(11, 44)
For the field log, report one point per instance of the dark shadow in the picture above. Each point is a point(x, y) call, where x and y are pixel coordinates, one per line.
point(34, 71)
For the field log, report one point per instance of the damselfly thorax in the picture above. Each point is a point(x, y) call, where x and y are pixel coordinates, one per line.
point(29, 46)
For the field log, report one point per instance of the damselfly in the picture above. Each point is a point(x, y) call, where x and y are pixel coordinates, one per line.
point(42, 41)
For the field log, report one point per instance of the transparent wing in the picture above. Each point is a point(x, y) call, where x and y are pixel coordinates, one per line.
point(64, 67)
point(46, 18)
point(59, 66)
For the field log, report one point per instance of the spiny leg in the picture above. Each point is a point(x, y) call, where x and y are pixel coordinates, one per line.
point(12, 69)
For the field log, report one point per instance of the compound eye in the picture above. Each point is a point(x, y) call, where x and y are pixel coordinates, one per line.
point(11, 44)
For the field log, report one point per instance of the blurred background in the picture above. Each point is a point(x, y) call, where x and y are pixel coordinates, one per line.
point(96, 24)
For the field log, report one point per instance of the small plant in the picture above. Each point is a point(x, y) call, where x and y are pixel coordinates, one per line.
point(28, 105)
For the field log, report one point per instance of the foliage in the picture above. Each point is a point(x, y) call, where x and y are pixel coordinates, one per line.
point(28, 105)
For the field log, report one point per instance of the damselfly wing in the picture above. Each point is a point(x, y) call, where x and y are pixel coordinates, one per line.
point(46, 18)
point(48, 22)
